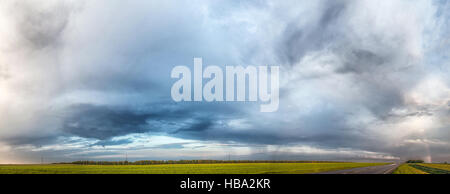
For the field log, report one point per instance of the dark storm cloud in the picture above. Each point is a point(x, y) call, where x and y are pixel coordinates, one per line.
point(105, 122)
point(197, 126)
point(32, 140)
point(324, 128)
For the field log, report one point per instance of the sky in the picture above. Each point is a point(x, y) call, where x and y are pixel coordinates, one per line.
point(360, 80)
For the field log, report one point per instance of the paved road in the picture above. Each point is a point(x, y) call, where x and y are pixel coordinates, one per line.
point(385, 169)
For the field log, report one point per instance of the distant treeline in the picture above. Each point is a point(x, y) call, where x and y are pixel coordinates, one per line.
point(150, 162)
point(414, 161)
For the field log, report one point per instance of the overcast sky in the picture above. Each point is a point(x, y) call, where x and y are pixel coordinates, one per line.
point(90, 80)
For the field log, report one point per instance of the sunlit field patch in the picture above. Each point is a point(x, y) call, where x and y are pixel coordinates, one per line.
point(407, 169)
point(434, 168)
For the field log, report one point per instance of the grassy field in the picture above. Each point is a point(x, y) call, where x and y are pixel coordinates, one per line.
point(438, 166)
point(407, 169)
point(421, 168)
point(433, 168)
point(233, 168)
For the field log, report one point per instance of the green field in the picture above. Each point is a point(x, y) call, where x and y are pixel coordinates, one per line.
point(432, 168)
point(231, 168)
point(407, 169)
point(445, 167)
point(421, 168)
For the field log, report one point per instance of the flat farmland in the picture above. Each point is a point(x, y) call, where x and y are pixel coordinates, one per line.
point(407, 169)
point(423, 168)
point(224, 168)
point(438, 166)
point(433, 168)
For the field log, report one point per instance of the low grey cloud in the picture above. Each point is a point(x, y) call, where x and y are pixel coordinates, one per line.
point(41, 27)
point(112, 142)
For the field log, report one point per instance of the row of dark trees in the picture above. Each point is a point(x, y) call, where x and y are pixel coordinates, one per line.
point(414, 161)
point(150, 162)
